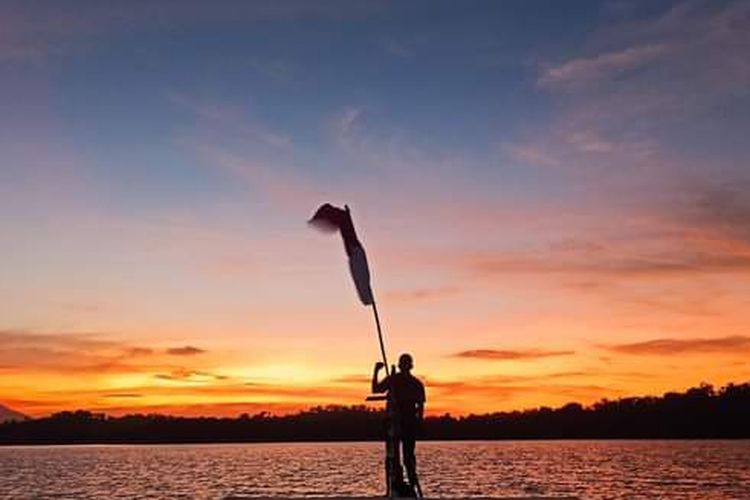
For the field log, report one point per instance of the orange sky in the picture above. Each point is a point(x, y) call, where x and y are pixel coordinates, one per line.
point(546, 220)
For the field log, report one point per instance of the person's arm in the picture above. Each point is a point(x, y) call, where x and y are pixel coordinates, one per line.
point(382, 386)
point(420, 403)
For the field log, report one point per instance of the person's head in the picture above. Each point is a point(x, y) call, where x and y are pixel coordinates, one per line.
point(405, 363)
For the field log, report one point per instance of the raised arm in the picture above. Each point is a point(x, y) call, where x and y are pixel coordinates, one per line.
point(382, 386)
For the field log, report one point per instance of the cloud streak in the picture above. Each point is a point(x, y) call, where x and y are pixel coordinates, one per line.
point(669, 264)
point(424, 294)
point(582, 71)
point(184, 375)
point(76, 352)
point(736, 344)
point(187, 350)
point(506, 355)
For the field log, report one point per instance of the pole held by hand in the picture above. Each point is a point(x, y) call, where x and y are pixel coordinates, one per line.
point(380, 338)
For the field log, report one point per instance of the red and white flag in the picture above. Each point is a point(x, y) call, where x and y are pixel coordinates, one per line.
point(330, 218)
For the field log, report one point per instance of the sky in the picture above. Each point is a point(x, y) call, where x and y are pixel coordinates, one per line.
point(553, 197)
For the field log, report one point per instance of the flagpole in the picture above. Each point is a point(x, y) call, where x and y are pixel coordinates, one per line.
point(390, 443)
point(329, 217)
point(380, 338)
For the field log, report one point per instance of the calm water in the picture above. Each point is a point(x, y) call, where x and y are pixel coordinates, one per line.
point(585, 469)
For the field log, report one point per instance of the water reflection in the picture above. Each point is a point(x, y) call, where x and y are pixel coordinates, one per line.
point(586, 469)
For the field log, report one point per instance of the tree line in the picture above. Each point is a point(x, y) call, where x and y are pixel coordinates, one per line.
point(700, 412)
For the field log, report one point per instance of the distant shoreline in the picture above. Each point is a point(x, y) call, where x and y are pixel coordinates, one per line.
point(220, 443)
point(699, 413)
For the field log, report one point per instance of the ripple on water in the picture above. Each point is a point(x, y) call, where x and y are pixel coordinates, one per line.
point(586, 469)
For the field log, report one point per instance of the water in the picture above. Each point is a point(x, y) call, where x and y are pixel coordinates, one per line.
point(584, 469)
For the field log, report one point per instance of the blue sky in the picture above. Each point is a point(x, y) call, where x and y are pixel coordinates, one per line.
point(532, 178)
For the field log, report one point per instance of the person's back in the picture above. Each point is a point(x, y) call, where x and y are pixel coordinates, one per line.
point(409, 397)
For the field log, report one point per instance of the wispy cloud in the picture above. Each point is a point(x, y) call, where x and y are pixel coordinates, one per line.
point(81, 308)
point(230, 140)
point(64, 351)
point(343, 123)
point(736, 344)
point(31, 35)
point(583, 71)
point(671, 53)
point(281, 184)
point(722, 210)
point(184, 375)
point(507, 392)
point(75, 352)
point(230, 119)
point(531, 155)
point(139, 351)
point(187, 350)
point(352, 379)
point(504, 354)
point(646, 265)
point(639, 79)
point(424, 294)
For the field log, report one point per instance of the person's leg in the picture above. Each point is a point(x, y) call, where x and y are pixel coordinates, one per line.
point(410, 460)
point(398, 470)
point(393, 463)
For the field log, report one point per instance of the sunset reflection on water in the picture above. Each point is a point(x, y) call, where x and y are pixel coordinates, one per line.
point(585, 469)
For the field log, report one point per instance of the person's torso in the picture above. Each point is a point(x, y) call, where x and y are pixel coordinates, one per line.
point(407, 393)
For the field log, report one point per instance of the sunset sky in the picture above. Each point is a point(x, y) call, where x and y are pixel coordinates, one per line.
point(554, 198)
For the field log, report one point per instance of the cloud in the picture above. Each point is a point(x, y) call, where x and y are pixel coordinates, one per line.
point(589, 142)
point(344, 122)
point(203, 409)
point(139, 351)
point(231, 119)
point(228, 138)
point(81, 308)
point(352, 379)
point(279, 183)
point(722, 209)
point(513, 392)
point(494, 380)
point(32, 35)
point(62, 351)
point(687, 49)
point(503, 355)
point(196, 384)
point(531, 154)
point(736, 344)
point(688, 303)
point(10, 339)
point(79, 352)
point(611, 263)
point(184, 375)
point(642, 81)
point(424, 294)
point(187, 350)
point(607, 65)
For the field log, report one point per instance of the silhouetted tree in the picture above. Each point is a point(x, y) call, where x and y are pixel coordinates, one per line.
point(700, 412)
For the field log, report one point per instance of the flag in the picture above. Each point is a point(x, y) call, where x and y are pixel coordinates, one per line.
point(330, 218)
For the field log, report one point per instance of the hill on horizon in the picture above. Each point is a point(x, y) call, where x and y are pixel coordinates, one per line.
point(10, 415)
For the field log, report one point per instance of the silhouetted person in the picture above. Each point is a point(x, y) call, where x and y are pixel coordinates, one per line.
point(406, 398)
